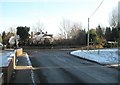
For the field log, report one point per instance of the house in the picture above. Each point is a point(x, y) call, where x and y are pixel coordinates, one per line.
point(41, 38)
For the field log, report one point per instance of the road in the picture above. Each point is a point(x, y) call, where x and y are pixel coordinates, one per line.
point(58, 66)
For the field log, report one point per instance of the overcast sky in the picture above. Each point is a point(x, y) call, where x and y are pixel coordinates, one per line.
point(51, 12)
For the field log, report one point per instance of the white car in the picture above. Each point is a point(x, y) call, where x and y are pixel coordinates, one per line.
point(1, 46)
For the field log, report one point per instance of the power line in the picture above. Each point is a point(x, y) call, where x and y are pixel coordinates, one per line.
point(88, 24)
point(96, 9)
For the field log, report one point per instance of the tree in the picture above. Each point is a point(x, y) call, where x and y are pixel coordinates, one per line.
point(108, 34)
point(118, 36)
point(12, 30)
point(23, 32)
point(39, 27)
point(3, 37)
point(114, 23)
point(6, 37)
point(74, 30)
point(94, 37)
point(99, 31)
point(0, 38)
point(77, 34)
point(114, 18)
point(65, 27)
point(115, 34)
point(81, 37)
point(73, 33)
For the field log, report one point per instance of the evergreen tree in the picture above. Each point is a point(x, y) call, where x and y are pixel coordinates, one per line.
point(115, 34)
point(95, 37)
point(3, 37)
point(23, 32)
point(108, 34)
point(99, 31)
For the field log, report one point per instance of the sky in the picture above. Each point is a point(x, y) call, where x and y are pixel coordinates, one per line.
point(51, 13)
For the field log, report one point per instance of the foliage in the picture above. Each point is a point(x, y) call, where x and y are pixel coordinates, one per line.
point(108, 34)
point(115, 34)
point(3, 37)
point(65, 28)
point(72, 33)
point(114, 18)
point(6, 37)
point(92, 35)
point(0, 38)
point(96, 35)
point(100, 31)
point(23, 32)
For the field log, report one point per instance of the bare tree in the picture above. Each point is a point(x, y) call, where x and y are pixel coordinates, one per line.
point(65, 27)
point(69, 29)
point(114, 18)
point(34, 29)
point(75, 28)
point(12, 30)
point(39, 27)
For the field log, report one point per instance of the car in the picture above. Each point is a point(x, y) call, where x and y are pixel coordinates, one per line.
point(1, 46)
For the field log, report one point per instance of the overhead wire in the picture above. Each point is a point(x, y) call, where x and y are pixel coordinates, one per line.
point(96, 9)
point(88, 21)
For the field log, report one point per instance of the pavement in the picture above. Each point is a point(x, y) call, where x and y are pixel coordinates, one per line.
point(23, 71)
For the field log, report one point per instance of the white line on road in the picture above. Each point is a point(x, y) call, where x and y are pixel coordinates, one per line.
point(32, 73)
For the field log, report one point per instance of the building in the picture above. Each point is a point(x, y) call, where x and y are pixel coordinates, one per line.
point(41, 38)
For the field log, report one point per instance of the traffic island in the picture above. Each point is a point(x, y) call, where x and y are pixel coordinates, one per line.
point(17, 68)
point(24, 73)
point(7, 65)
point(7, 71)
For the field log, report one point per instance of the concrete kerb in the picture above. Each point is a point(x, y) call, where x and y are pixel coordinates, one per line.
point(20, 53)
point(1, 78)
point(30, 64)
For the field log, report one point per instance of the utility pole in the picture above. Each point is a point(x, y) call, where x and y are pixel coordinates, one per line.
point(88, 24)
point(88, 36)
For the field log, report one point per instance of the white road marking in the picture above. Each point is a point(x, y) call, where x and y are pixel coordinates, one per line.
point(32, 73)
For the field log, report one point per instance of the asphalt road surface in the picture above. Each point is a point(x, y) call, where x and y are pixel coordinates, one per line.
point(58, 66)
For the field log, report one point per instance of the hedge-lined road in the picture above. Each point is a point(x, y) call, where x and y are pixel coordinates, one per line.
point(58, 66)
